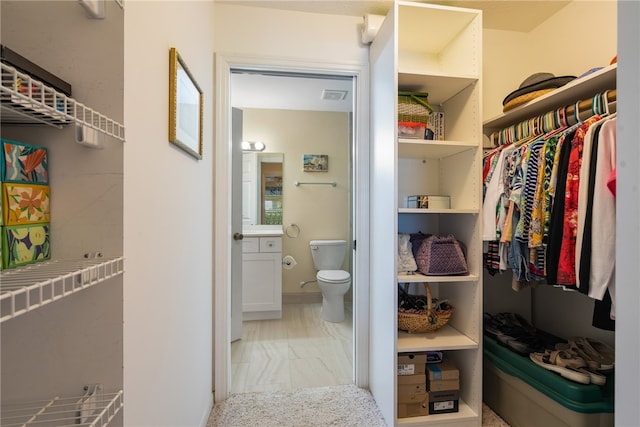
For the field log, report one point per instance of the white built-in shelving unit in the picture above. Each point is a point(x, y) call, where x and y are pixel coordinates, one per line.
point(434, 49)
point(61, 319)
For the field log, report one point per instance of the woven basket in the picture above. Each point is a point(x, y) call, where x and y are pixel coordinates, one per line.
point(429, 320)
point(413, 107)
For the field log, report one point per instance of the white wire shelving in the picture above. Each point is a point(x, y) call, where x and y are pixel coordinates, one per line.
point(64, 411)
point(30, 287)
point(26, 100)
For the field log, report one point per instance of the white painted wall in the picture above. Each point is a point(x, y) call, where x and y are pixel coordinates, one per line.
point(168, 222)
point(258, 31)
point(581, 36)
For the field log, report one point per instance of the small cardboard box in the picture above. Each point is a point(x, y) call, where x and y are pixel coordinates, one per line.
point(411, 363)
point(444, 370)
point(428, 202)
point(444, 385)
point(412, 385)
point(408, 396)
point(406, 410)
point(442, 402)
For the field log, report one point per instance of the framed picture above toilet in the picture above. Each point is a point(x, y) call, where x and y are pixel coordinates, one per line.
point(315, 163)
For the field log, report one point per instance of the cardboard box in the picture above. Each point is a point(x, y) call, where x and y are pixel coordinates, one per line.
point(443, 402)
point(408, 396)
point(436, 126)
point(428, 202)
point(445, 370)
point(443, 385)
point(411, 385)
point(411, 363)
point(406, 410)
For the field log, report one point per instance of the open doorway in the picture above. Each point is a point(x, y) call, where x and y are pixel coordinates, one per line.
point(355, 220)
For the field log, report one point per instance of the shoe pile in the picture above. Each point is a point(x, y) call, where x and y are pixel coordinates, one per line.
point(514, 332)
point(580, 359)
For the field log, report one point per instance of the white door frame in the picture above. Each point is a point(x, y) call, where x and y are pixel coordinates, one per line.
point(224, 63)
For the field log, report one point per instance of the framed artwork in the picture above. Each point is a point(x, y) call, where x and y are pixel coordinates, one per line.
point(315, 162)
point(185, 107)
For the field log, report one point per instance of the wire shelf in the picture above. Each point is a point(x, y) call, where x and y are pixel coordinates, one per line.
point(27, 288)
point(66, 411)
point(25, 100)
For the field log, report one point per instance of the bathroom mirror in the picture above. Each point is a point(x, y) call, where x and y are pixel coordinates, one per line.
point(262, 188)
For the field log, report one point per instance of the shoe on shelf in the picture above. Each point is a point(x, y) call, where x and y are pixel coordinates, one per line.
point(546, 360)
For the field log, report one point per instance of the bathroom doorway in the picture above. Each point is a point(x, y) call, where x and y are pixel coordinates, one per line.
point(356, 220)
point(297, 167)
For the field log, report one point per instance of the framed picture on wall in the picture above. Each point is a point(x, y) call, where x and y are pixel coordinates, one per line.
point(185, 107)
point(315, 162)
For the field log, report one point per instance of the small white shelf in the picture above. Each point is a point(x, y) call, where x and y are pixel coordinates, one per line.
point(440, 87)
point(437, 211)
point(419, 278)
point(30, 287)
point(428, 149)
point(25, 100)
point(464, 414)
point(63, 411)
point(445, 338)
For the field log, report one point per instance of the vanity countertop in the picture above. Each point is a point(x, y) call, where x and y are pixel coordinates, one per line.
point(262, 232)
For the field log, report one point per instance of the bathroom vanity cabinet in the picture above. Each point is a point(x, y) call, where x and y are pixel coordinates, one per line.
point(261, 276)
point(437, 50)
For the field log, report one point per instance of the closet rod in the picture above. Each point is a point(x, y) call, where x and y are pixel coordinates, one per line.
point(515, 131)
point(587, 104)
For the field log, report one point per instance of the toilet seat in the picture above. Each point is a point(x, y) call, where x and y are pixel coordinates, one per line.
point(333, 276)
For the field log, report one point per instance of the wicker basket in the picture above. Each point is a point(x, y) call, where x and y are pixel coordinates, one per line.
point(429, 320)
point(413, 107)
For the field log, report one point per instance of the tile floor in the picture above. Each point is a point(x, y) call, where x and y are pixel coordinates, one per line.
point(298, 351)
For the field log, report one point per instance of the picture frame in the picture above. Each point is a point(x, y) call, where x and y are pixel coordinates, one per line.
point(186, 101)
point(315, 163)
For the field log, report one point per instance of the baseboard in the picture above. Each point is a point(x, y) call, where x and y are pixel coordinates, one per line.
point(301, 297)
point(205, 417)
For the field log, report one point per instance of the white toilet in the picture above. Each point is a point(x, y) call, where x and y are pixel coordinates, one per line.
point(333, 282)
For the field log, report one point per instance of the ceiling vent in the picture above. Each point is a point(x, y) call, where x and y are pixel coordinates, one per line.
point(333, 95)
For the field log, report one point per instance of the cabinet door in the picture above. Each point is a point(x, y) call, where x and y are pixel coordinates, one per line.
point(261, 282)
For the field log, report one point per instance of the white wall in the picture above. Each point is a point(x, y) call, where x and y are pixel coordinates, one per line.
point(580, 36)
point(285, 34)
point(168, 222)
point(321, 211)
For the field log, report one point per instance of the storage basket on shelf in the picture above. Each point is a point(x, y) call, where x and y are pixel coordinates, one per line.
point(413, 114)
point(421, 313)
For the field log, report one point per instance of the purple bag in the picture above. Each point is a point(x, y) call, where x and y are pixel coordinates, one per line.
point(441, 256)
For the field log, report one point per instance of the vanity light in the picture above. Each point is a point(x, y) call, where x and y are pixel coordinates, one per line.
point(252, 146)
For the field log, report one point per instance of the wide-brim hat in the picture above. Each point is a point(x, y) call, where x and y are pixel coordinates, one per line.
point(534, 86)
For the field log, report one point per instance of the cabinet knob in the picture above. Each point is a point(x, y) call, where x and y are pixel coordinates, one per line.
point(238, 236)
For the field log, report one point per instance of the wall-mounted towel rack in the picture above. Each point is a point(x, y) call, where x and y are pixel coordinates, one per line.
point(298, 183)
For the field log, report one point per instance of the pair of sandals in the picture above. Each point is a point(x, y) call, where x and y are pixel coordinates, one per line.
point(582, 360)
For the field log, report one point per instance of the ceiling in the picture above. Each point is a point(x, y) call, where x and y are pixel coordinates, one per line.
point(253, 90)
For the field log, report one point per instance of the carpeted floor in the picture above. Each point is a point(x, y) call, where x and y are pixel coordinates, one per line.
point(343, 406)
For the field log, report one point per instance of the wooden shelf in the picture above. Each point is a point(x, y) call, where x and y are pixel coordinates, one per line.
point(428, 149)
point(445, 338)
point(464, 414)
point(440, 87)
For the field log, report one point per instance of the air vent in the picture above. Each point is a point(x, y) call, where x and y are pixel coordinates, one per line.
point(334, 95)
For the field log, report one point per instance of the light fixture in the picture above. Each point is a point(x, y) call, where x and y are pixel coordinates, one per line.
point(252, 146)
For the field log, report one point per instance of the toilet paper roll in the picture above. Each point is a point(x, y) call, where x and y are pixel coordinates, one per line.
point(370, 28)
point(288, 262)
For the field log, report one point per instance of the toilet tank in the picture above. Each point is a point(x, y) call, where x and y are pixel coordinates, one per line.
point(328, 254)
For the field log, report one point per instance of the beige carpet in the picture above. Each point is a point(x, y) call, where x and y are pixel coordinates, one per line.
point(343, 406)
